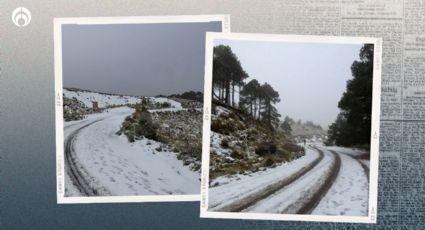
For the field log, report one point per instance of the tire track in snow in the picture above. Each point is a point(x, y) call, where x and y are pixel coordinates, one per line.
point(271, 189)
point(78, 178)
point(347, 195)
point(324, 188)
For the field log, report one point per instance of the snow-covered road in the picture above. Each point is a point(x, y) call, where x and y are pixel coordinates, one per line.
point(293, 197)
point(349, 193)
point(336, 185)
point(231, 193)
point(103, 163)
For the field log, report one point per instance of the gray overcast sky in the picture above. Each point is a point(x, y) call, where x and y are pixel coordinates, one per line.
point(136, 59)
point(310, 77)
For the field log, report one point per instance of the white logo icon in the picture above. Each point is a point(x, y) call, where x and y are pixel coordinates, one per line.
point(21, 16)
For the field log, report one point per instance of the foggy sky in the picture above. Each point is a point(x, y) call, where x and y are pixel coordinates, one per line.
point(310, 77)
point(136, 59)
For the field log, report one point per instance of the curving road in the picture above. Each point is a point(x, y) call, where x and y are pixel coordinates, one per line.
point(100, 163)
point(323, 184)
point(261, 194)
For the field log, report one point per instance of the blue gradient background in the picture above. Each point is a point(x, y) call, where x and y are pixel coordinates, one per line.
point(27, 131)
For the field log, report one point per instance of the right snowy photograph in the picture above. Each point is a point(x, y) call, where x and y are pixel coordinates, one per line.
point(291, 127)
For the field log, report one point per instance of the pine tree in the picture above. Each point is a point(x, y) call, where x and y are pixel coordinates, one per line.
point(353, 125)
point(248, 96)
point(227, 74)
point(270, 97)
point(286, 125)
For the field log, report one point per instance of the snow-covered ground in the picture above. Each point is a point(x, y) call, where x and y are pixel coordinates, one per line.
point(124, 168)
point(174, 104)
point(229, 189)
point(349, 151)
point(292, 197)
point(365, 162)
point(216, 139)
point(104, 100)
point(349, 193)
point(73, 125)
point(221, 109)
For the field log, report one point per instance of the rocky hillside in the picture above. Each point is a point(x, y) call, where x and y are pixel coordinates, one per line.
point(182, 131)
point(240, 144)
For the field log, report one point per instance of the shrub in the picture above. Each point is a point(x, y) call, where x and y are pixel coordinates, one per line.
point(266, 147)
point(138, 125)
point(236, 154)
point(292, 147)
point(225, 143)
point(196, 167)
point(215, 126)
point(130, 135)
point(223, 125)
point(145, 101)
point(165, 104)
point(74, 109)
point(269, 161)
point(146, 127)
point(193, 150)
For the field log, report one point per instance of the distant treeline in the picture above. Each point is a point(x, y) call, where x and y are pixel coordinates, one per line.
point(255, 99)
point(190, 95)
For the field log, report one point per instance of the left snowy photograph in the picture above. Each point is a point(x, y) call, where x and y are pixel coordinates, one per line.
point(129, 98)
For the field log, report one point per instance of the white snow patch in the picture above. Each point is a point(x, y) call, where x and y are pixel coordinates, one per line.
point(221, 109)
point(173, 103)
point(103, 100)
point(216, 139)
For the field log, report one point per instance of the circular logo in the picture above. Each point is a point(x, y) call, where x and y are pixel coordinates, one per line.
point(21, 16)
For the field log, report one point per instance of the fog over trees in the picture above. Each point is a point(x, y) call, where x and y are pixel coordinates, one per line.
point(353, 124)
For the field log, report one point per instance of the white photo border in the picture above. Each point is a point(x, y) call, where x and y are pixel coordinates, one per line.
point(374, 147)
point(58, 73)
